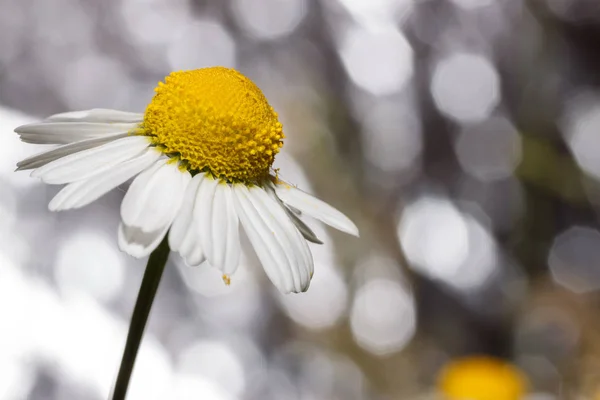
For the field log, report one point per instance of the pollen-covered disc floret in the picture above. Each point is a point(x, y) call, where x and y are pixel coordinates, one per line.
point(215, 120)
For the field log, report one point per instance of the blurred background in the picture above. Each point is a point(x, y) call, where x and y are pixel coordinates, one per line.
point(462, 136)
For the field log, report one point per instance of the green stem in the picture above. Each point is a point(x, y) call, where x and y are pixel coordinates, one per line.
point(154, 269)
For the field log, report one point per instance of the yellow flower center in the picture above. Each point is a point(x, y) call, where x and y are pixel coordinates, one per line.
point(215, 120)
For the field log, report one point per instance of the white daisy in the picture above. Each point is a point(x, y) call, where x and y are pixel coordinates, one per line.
point(201, 157)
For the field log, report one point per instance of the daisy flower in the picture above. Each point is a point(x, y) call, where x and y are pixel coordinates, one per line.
point(201, 160)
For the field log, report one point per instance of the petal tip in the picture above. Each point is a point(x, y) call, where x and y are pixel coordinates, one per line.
point(348, 227)
point(132, 249)
point(138, 245)
point(21, 129)
point(173, 245)
point(35, 173)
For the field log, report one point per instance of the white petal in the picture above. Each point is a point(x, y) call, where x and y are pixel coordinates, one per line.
point(292, 209)
point(137, 243)
point(195, 258)
point(217, 224)
point(183, 236)
point(314, 207)
point(190, 243)
point(294, 216)
point(42, 138)
point(203, 213)
point(277, 209)
point(270, 199)
point(48, 156)
point(269, 251)
point(183, 221)
point(154, 197)
point(191, 251)
point(82, 193)
point(279, 246)
point(90, 162)
point(68, 132)
point(222, 246)
point(97, 115)
point(304, 229)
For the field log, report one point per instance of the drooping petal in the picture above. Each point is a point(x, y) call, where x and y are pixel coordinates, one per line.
point(137, 243)
point(203, 213)
point(97, 115)
point(306, 264)
point(294, 210)
point(304, 229)
point(190, 243)
point(305, 260)
point(83, 192)
point(222, 247)
point(183, 236)
point(48, 156)
point(294, 216)
point(314, 207)
point(217, 224)
point(195, 258)
point(183, 221)
point(90, 162)
point(154, 197)
point(269, 250)
point(67, 132)
point(277, 243)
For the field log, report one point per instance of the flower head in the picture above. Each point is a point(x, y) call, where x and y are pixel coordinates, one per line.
point(482, 378)
point(200, 158)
